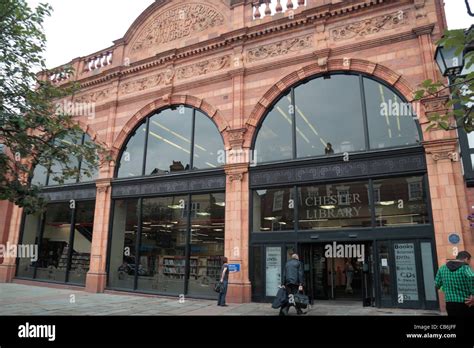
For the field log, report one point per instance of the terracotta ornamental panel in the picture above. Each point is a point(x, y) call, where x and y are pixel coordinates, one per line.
point(175, 25)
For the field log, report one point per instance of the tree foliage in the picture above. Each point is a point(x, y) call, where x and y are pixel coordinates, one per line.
point(460, 89)
point(33, 130)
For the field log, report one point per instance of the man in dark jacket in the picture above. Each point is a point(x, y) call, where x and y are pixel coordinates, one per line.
point(293, 280)
point(456, 280)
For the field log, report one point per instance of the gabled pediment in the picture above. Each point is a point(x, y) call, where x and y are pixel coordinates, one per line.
point(174, 24)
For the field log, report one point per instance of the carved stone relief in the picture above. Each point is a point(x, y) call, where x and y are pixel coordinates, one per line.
point(93, 97)
point(370, 26)
point(170, 74)
point(279, 48)
point(177, 23)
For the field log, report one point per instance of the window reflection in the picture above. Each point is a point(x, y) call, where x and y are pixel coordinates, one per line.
point(274, 141)
point(131, 162)
point(169, 142)
point(56, 171)
point(344, 205)
point(207, 243)
point(31, 227)
point(43, 176)
point(54, 245)
point(40, 175)
point(329, 116)
point(94, 171)
point(123, 244)
point(402, 202)
point(390, 120)
point(273, 210)
point(162, 265)
point(207, 144)
point(81, 253)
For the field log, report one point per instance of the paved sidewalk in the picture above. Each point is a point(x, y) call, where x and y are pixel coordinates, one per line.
point(19, 299)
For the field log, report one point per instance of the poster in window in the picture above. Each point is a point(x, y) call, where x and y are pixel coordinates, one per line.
point(407, 284)
point(273, 270)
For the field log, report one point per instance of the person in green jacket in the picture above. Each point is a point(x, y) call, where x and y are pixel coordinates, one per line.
point(456, 279)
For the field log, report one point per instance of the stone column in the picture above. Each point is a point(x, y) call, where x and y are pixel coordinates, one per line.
point(6, 209)
point(237, 217)
point(97, 276)
point(8, 267)
point(447, 188)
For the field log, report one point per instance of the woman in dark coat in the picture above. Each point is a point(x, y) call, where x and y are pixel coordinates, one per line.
point(224, 283)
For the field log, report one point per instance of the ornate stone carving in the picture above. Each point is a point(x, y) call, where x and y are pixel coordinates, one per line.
point(160, 185)
point(103, 188)
point(170, 74)
point(435, 104)
point(369, 26)
point(279, 48)
point(141, 84)
point(177, 23)
point(61, 194)
point(93, 97)
point(443, 155)
point(236, 177)
point(237, 137)
point(343, 170)
point(202, 68)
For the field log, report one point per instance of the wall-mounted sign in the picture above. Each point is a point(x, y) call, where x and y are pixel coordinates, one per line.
point(407, 283)
point(234, 267)
point(454, 238)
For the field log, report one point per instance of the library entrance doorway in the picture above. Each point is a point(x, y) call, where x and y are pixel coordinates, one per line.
point(339, 271)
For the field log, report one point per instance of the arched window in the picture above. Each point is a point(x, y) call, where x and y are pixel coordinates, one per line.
point(51, 176)
point(340, 113)
point(172, 140)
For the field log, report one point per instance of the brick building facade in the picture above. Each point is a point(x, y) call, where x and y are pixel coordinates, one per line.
point(233, 60)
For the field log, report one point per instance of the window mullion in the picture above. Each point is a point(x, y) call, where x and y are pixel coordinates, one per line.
point(293, 118)
point(145, 150)
point(364, 112)
point(193, 131)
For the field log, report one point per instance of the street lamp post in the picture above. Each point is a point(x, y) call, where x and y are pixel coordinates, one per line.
point(449, 63)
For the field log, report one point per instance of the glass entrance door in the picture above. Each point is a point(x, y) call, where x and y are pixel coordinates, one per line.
point(338, 278)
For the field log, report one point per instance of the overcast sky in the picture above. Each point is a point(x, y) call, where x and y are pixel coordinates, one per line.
point(81, 27)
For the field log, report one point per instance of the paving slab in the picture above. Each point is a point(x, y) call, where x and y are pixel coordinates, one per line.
point(31, 300)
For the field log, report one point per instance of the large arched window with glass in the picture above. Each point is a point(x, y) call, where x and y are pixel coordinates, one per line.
point(61, 236)
point(336, 114)
point(167, 234)
point(172, 140)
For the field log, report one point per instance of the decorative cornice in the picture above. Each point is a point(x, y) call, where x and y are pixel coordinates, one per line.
point(435, 104)
point(424, 30)
point(443, 149)
point(236, 137)
point(305, 17)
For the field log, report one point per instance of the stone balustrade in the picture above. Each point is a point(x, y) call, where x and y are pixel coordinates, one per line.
point(98, 61)
point(266, 8)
